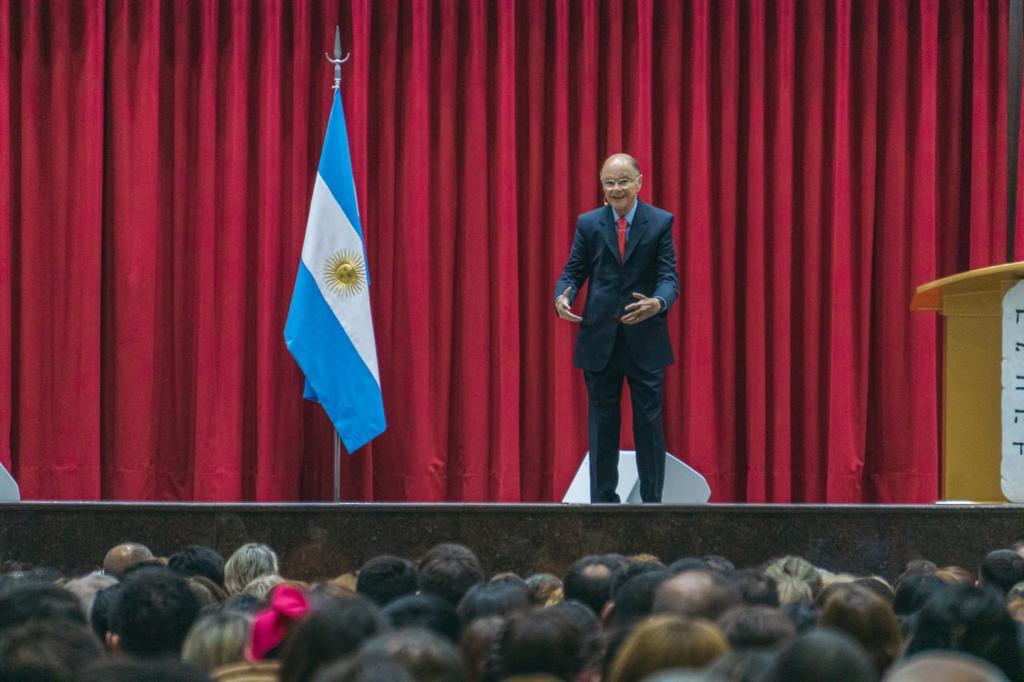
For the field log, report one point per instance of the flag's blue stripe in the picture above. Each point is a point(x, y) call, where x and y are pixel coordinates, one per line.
point(333, 367)
point(336, 164)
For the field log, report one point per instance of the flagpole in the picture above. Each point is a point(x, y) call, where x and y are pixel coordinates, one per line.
point(338, 60)
point(337, 467)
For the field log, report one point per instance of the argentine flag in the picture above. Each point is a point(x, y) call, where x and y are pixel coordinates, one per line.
point(329, 330)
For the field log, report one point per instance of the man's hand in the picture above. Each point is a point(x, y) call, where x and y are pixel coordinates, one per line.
point(563, 309)
point(643, 308)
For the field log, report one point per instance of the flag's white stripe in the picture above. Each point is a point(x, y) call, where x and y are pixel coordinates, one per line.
point(327, 232)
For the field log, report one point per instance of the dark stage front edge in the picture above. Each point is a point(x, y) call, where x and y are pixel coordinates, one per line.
point(325, 540)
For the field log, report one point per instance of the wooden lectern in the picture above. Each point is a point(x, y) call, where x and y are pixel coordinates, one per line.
point(971, 302)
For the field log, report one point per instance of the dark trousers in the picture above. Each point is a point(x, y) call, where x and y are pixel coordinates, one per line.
point(604, 390)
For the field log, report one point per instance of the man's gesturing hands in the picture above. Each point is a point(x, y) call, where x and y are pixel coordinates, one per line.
point(563, 308)
point(643, 308)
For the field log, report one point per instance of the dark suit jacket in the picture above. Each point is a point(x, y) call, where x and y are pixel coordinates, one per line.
point(649, 268)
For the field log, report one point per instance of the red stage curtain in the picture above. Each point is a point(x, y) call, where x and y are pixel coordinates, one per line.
point(157, 159)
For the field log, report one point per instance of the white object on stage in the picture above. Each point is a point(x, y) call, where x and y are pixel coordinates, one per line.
point(8, 487)
point(683, 485)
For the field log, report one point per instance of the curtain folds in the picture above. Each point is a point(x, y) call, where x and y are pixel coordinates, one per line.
point(822, 158)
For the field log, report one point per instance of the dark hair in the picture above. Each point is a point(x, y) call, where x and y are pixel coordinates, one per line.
point(385, 578)
point(333, 631)
point(803, 614)
point(823, 655)
point(493, 599)
point(719, 564)
point(969, 619)
point(635, 599)
point(448, 571)
point(426, 655)
point(689, 563)
point(364, 669)
point(32, 601)
point(914, 591)
point(878, 587)
point(243, 603)
point(153, 612)
point(756, 588)
point(1002, 569)
point(198, 560)
point(750, 627)
point(99, 618)
point(45, 650)
point(632, 569)
point(866, 617)
point(589, 579)
point(537, 642)
point(129, 670)
point(745, 665)
point(425, 610)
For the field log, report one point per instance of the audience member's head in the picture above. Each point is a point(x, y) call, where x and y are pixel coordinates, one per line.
point(30, 601)
point(102, 606)
point(867, 618)
point(478, 640)
point(696, 594)
point(152, 614)
point(448, 571)
point(493, 599)
point(250, 561)
point(247, 604)
point(955, 575)
point(86, 588)
point(425, 611)
point(969, 619)
point(741, 665)
point(538, 642)
point(792, 590)
point(217, 639)
point(385, 578)
point(122, 557)
point(335, 630)
point(753, 627)
point(914, 590)
point(545, 588)
point(719, 564)
point(755, 588)
point(803, 614)
point(634, 600)
point(589, 580)
point(261, 586)
point(944, 666)
point(794, 567)
point(667, 641)
point(879, 586)
point(132, 670)
point(631, 569)
point(198, 560)
point(427, 656)
point(207, 591)
point(364, 669)
point(1002, 569)
point(46, 650)
point(822, 656)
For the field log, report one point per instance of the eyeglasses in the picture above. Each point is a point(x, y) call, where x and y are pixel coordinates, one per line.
point(621, 183)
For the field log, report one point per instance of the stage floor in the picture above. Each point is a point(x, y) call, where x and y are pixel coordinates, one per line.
point(324, 540)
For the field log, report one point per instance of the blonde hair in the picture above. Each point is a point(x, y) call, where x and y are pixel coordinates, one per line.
point(263, 585)
point(662, 642)
point(216, 639)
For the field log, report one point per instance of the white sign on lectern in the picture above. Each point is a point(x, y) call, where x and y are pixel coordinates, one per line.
point(683, 485)
point(8, 487)
point(1012, 468)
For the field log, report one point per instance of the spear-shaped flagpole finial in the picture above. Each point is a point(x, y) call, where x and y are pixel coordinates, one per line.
point(338, 60)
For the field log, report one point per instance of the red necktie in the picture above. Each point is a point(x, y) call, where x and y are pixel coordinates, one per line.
point(623, 224)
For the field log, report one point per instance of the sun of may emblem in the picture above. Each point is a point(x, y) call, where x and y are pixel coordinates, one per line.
point(345, 273)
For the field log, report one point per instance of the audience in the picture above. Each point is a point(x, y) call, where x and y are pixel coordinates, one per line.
point(440, 619)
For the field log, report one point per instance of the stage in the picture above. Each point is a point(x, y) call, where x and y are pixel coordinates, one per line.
point(324, 540)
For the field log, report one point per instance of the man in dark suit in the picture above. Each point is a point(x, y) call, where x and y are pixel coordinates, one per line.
point(626, 251)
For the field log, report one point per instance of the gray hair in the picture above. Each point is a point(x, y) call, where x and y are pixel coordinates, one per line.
point(250, 561)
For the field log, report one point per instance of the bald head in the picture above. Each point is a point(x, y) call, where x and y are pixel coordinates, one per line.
point(619, 161)
point(696, 594)
point(122, 557)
